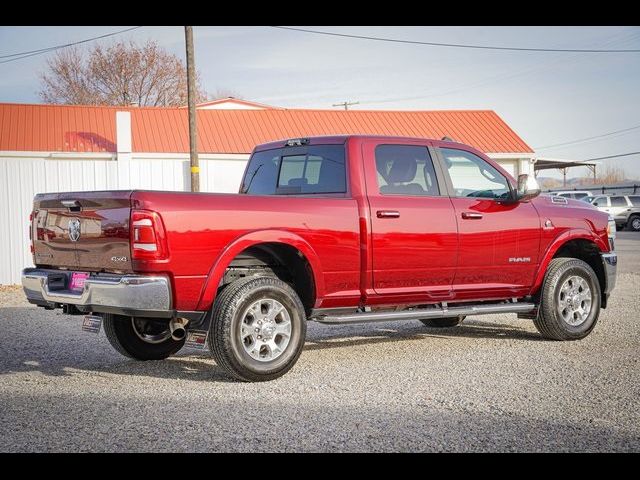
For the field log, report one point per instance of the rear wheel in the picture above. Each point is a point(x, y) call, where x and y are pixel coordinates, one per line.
point(570, 300)
point(140, 338)
point(634, 223)
point(258, 328)
point(443, 322)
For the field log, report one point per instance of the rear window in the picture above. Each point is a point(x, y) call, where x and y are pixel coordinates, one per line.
point(318, 169)
point(635, 200)
point(580, 196)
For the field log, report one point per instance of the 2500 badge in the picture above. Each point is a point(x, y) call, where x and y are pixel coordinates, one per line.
point(118, 259)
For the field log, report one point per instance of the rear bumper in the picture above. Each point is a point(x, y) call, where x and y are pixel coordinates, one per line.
point(134, 295)
point(610, 262)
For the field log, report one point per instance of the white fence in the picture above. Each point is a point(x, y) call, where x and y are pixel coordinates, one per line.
point(22, 177)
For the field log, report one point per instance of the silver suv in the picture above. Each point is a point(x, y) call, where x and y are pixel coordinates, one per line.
point(576, 194)
point(625, 209)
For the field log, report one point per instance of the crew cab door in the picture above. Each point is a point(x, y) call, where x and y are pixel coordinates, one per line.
point(413, 228)
point(499, 240)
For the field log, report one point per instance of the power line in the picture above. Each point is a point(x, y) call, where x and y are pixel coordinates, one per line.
point(588, 138)
point(611, 156)
point(19, 56)
point(456, 45)
point(492, 80)
point(68, 44)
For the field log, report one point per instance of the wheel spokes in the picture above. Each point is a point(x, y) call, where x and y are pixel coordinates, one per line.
point(265, 330)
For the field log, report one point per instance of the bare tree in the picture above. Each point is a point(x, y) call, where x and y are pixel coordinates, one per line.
point(121, 74)
point(611, 175)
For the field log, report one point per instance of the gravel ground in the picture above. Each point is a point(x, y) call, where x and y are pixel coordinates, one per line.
point(491, 384)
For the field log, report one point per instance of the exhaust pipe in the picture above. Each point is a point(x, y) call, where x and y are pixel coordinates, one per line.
point(177, 327)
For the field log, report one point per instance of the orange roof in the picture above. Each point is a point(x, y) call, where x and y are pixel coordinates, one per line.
point(61, 128)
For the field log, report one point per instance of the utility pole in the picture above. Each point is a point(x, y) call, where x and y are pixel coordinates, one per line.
point(191, 98)
point(346, 105)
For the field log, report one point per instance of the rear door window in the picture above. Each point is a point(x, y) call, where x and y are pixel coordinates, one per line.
point(405, 170)
point(618, 202)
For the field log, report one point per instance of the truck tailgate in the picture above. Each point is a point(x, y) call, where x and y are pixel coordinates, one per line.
point(86, 231)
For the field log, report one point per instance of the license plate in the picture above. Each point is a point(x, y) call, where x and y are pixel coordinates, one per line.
point(91, 323)
point(196, 339)
point(77, 280)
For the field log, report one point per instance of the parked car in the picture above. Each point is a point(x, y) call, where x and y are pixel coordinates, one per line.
point(577, 194)
point(625, 209)
point(339, 230)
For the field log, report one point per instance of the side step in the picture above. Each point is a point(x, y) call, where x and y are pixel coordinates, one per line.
point(420, 313)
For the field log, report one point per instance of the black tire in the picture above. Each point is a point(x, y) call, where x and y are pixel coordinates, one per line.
point(633, 223)
point(122, 336)
point(225, 338)
point(549, 321)
point(447, 322)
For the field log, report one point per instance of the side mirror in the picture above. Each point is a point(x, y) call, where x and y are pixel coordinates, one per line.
point(595, 204)
point(528, 188)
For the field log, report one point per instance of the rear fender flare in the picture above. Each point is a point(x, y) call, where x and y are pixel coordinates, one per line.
point(557, 243)
point(254, 238)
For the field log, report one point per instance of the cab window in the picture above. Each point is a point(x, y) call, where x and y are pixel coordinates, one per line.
point(472, 176)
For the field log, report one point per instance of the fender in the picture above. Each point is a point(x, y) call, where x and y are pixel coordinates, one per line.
point(557, 243)
point(253, 238)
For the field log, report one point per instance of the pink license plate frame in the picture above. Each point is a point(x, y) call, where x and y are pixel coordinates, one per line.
point(77, 281)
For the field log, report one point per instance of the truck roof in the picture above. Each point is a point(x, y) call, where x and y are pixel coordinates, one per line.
point(340, 139)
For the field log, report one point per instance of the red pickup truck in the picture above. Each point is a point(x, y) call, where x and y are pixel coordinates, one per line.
point(338, 230)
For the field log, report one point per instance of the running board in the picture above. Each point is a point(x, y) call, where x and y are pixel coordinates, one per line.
point(415, 314)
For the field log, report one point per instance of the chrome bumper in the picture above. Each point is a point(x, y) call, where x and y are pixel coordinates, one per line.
point(123, 294)
point(610, 262)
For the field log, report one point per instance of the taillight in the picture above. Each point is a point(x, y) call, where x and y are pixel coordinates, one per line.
point(148, 238)
point(31, 232)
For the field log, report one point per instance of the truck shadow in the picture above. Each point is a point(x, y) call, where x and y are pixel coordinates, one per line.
point(62, 349)
point(339, 337)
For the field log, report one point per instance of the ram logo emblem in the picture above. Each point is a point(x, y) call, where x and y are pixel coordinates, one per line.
point(74, 229)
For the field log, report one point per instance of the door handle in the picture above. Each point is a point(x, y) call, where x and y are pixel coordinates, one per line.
point(471, 215)
point(388, 214)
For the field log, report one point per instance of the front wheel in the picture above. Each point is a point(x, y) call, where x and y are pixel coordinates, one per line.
point(258, 328)
point(570, 300)
point(140, 338)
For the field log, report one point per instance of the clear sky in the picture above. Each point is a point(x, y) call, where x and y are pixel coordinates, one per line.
point(547, 98)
